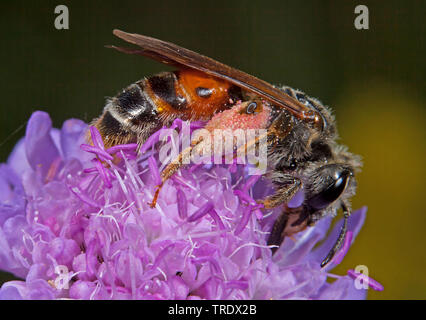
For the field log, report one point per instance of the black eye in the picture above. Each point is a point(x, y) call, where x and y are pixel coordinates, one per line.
point(293, 165)
point(251, 108)
point(332, 192)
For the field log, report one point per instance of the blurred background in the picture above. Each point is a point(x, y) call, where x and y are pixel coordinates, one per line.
point(373, 79)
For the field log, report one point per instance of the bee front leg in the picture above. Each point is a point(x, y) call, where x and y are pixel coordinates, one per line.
point(288, 188)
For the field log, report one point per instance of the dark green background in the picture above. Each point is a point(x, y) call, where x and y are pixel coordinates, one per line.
point(374, 80)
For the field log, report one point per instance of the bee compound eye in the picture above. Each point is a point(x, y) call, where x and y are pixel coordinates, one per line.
point(332, 192)
point(251, 108)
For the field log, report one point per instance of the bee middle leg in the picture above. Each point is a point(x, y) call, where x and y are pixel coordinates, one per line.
point(289, 222)
point(173, 167)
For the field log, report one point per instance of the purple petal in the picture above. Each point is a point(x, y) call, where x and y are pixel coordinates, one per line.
point(72, 135)
point(217, 219)
point(13, 290)
point(154, 170)
point(237, 284)
point(182, 204)
point(151, 141)
point(250, 183)
point(102, 154)
point(39, 146)
point(297, 199)
point(17, 160)
point(103, 172)
point(10, 185)
point(344, 250)
point(179, 287)
point(40, 290)
point(365, 279)
point(356, 220)
point(244, 220)
point(244, 197)
point(82, 290)
point(96, 137)
point(337, 290)
point(201, 212)
point(122, 147)
point(10, 293)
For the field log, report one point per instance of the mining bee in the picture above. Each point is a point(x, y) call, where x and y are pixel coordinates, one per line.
point(302, 150)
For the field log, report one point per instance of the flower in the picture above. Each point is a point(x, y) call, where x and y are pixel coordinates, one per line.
point(75, 223)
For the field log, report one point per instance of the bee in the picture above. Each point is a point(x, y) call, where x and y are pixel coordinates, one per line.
point(302, 148)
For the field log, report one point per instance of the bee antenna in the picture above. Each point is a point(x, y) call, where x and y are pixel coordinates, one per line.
point(340, 239)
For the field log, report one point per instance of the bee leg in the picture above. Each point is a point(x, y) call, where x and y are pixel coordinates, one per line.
point(283, 194)
point(276, 237)
point(290, 221)
point(173, 167)
point(183, 158)
point(340, 239)
point(153, 203)
point(168, 171)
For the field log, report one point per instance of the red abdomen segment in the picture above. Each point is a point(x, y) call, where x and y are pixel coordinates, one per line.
point(190, 94)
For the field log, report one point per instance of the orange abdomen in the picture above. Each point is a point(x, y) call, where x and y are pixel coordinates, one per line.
point(190, 94)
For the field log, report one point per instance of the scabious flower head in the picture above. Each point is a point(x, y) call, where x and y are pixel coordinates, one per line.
point(75, 223)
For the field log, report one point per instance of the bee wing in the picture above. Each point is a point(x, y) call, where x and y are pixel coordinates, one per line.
point(169, 53)
point(148, 54)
